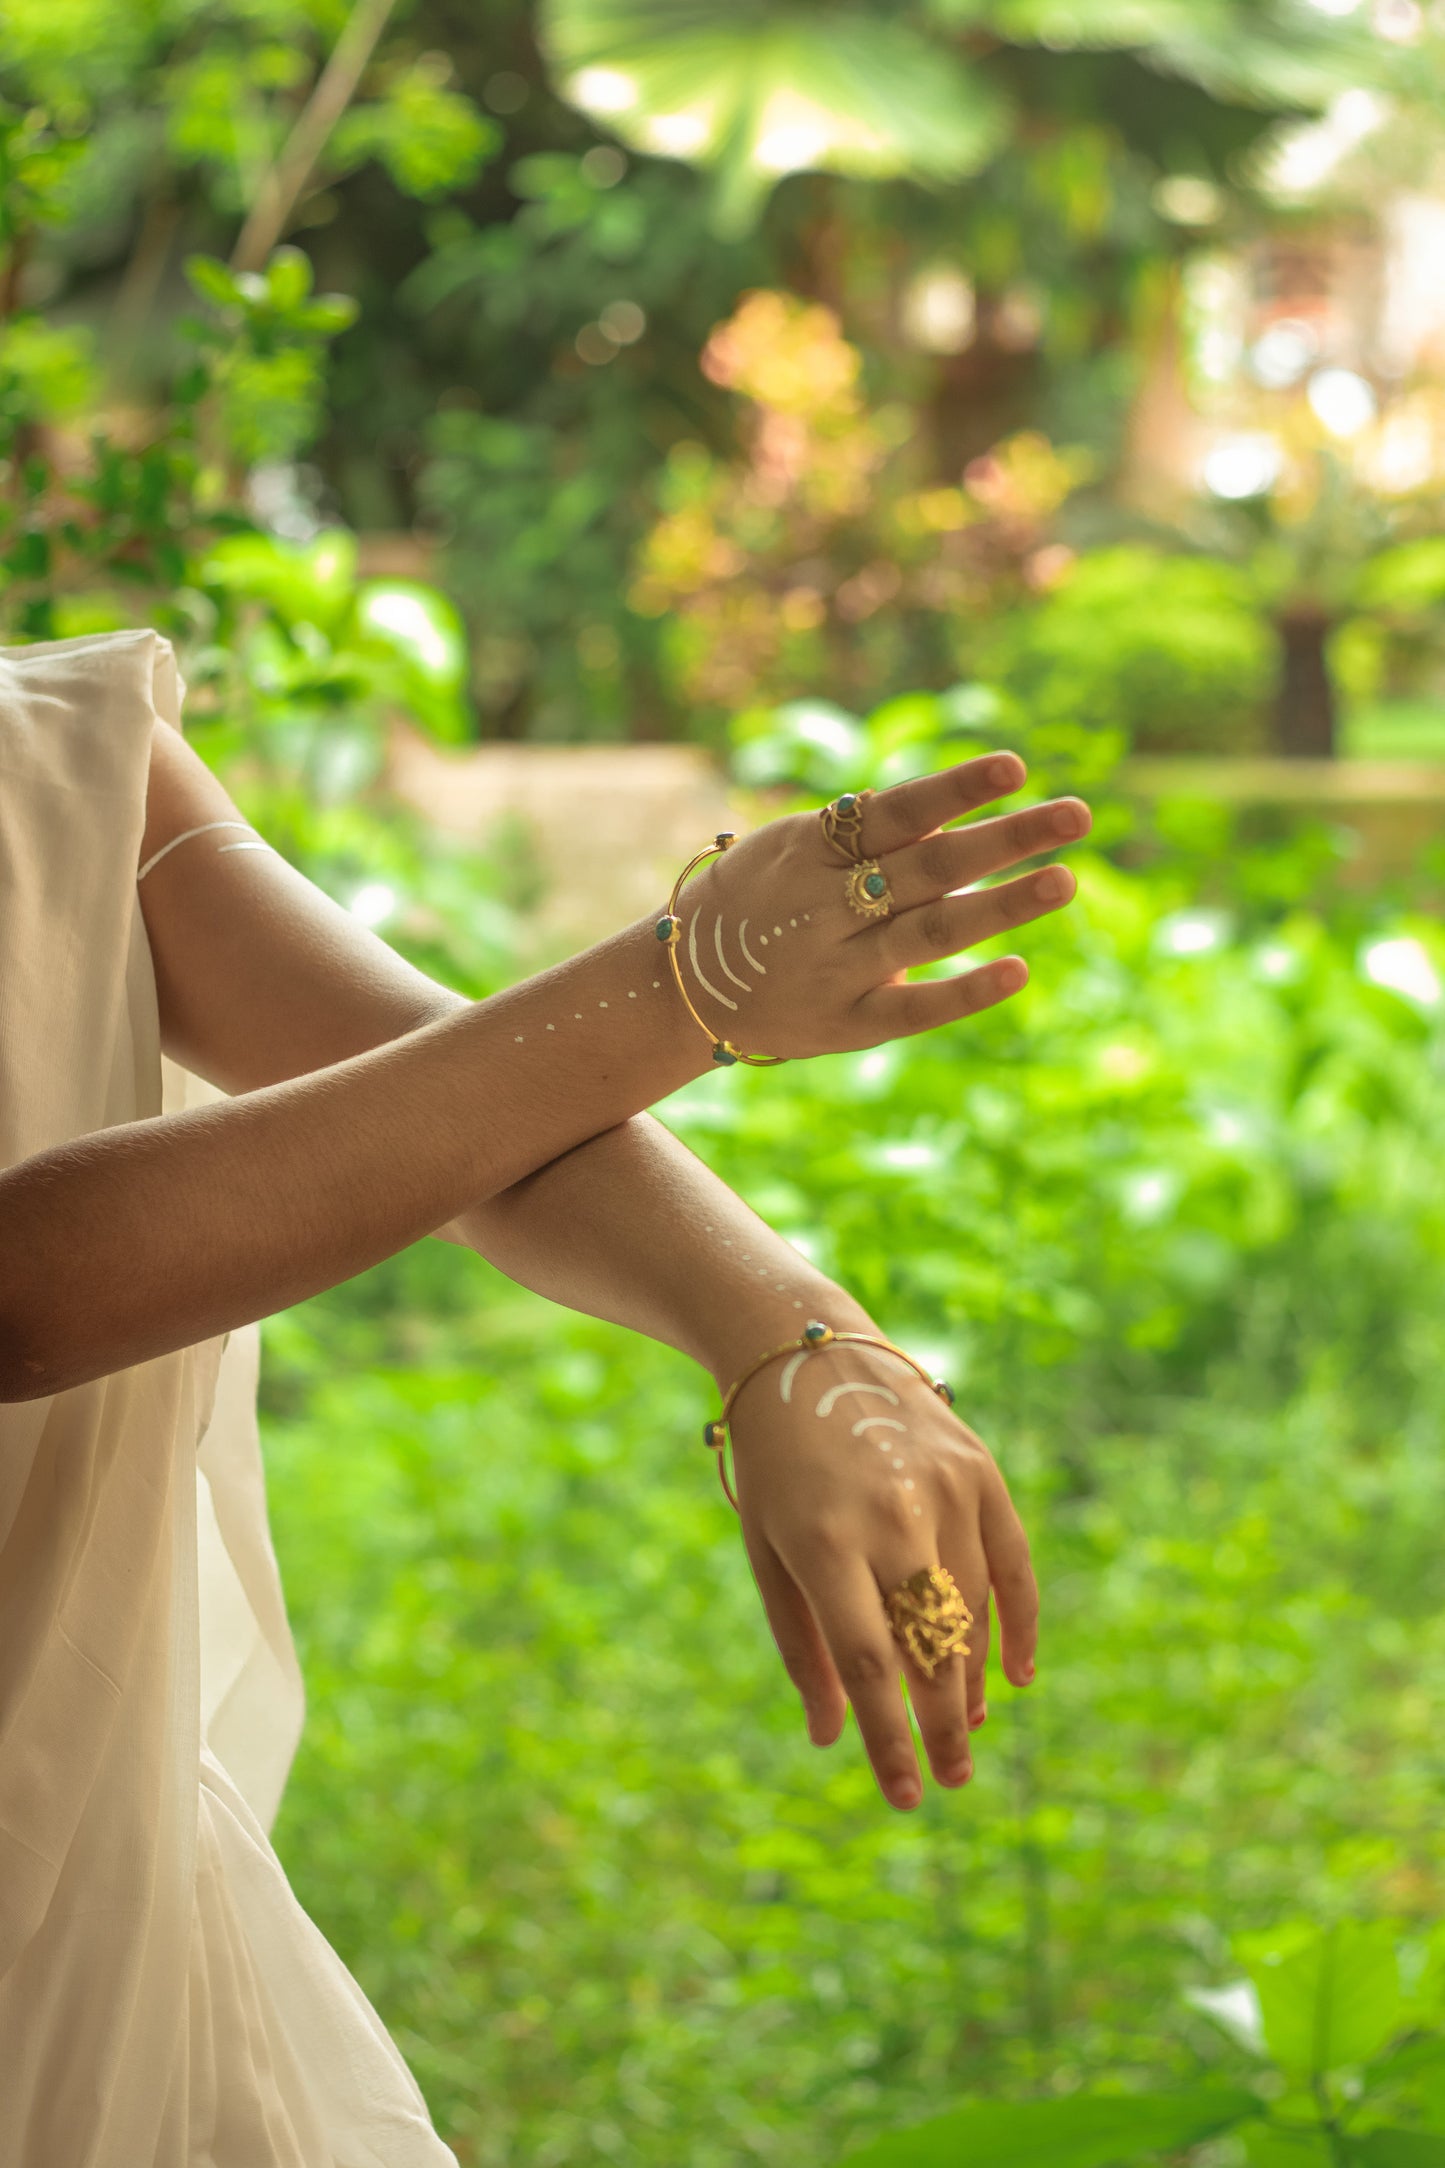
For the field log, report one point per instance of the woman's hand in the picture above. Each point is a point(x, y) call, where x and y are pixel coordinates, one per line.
point(851, 1475)
point(778, 961)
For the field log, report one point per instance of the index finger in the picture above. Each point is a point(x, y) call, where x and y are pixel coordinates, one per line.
point(845, 1601)
point(906, 811)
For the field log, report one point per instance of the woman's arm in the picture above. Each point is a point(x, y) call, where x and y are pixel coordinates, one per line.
point(120, 1246)
point(370, 1090)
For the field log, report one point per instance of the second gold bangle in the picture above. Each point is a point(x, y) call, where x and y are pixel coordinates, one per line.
point(669, 932)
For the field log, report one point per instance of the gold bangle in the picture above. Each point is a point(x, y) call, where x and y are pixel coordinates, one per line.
point(814, 1334)
point(669, 932)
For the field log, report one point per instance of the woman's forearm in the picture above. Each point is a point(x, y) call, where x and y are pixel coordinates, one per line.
point(133, 1241)
point(631, 1227)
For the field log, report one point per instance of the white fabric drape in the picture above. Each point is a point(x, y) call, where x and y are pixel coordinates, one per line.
point(165, 2002)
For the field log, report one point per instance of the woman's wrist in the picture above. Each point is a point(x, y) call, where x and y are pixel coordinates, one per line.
point(751, 1327)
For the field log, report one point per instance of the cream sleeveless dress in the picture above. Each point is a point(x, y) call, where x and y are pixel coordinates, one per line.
point(164, 2000)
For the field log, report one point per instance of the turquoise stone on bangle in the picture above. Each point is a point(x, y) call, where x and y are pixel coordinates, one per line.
point(944, 1391)
point(815, 1334)
point(875, 885)
point(714, 1435)
point(666, 929)
point(846, 803)
point(724, 1054)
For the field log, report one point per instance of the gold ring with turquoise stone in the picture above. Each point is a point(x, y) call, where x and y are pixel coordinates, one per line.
point(868, 890)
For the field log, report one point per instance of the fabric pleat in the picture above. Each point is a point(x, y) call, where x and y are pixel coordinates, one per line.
point(165, 2001)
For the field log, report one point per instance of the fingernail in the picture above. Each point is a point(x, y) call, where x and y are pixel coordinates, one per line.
point(1028, 1674)
point(980, 1716)
point(958, 1774)
point(1001, 774)
point(907, 1795)
point(1070, 820)
point(1054, 884)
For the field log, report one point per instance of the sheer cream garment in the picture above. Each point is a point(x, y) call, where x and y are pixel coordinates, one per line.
point(164, 2000)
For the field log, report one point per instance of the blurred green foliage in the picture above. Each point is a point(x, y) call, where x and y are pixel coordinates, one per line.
point(531, 220)
point(1353, 2058)
point(1174, 1223)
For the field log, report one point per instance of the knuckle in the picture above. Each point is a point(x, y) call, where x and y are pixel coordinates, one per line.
point(948, 1742)
point(1017, 1590)
point(958, 1475)
point(861, 1666)
point(1022, 832)
point(934, 927)
point(828, 1536)
point(1013, 902)
point(935, 859)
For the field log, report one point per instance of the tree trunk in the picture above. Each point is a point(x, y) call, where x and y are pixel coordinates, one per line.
point(1304, 707)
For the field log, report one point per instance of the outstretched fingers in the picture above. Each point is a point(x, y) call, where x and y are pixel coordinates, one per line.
point(942, 864)
point(899, 1010)
point(849, 1609)
point(906, 811)
point(800, 1644)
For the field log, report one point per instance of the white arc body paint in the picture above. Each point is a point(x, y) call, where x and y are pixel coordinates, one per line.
point(878, 1422)
point(836, 1392)
point(697, 971)
point(790, 1371)
point(748, 957)
point(728, 972)
point(204, 830)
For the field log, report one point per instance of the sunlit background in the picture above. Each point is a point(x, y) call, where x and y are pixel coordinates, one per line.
point(546, 429)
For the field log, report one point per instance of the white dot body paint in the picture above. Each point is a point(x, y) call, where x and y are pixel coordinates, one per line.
point(655, 984)
point(601, 1004)
point(762, 943)
point(551, 1027)
point(908, 1483)
point(519, 1038)
point(697, 972)
point(778, 931)
point(630, 995)
point(918, 1512)
point(897, 1463)
point(792, 922)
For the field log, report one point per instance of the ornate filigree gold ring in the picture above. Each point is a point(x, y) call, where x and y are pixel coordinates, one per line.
point(929, 1618)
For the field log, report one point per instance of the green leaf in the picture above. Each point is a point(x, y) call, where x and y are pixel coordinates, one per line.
point(1268, 2145)
point(212, 281)
point(1327, 1999)
point(421, 629)
point(1397, 2149)
point(1410, 576)
point(809, 742)
point(313, 581)
point(757, 90)
point(1084, 2131)
point(288, 279)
